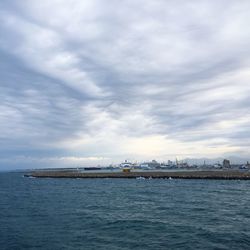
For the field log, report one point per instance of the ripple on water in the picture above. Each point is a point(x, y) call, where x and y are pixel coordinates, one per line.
point(123, 214)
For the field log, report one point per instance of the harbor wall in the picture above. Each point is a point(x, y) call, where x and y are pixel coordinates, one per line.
point(228, 175)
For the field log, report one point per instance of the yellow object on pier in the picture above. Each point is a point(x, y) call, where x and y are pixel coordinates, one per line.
point(126, 170)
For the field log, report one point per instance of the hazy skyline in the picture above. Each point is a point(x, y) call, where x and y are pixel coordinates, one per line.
point(96, 82)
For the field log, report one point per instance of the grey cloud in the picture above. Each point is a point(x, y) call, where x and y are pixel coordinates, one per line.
point(146, 67)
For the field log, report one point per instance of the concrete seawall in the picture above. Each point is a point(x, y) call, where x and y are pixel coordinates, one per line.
point(226, 174)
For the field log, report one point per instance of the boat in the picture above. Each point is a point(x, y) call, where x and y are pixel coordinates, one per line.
point(126, 164)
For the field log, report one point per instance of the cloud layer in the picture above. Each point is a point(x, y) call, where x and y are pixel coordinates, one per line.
point(109, 80)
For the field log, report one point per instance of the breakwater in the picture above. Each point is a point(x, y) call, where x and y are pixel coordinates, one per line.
point(209, 174)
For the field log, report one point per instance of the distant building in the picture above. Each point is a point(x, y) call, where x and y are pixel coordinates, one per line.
point(150, 165)
point(226, 163)
point(184, 165)
point(154, 164)
point(245, 166)
point(170, 163)
point(217, 165)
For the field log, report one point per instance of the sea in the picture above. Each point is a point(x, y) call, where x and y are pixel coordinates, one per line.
point(119, 214)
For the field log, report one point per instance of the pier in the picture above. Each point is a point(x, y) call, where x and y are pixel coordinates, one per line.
point(206, 174)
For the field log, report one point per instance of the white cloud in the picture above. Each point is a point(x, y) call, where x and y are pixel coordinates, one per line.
point(117, 78)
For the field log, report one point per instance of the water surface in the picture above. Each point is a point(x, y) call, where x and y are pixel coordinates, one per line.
point(123, 213)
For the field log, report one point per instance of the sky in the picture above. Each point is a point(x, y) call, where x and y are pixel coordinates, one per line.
point(94, 82)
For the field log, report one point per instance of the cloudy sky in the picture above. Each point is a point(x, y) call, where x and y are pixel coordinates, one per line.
point(99, 81)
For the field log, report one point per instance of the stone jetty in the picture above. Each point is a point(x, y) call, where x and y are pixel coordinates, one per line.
point(208, 174)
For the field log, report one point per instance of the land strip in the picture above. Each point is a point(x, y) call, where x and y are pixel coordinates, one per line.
point(225, 174)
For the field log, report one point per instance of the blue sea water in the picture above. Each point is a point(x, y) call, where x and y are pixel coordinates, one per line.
point(123, 213)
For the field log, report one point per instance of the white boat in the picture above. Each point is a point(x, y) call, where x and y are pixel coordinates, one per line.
point(126, 164)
